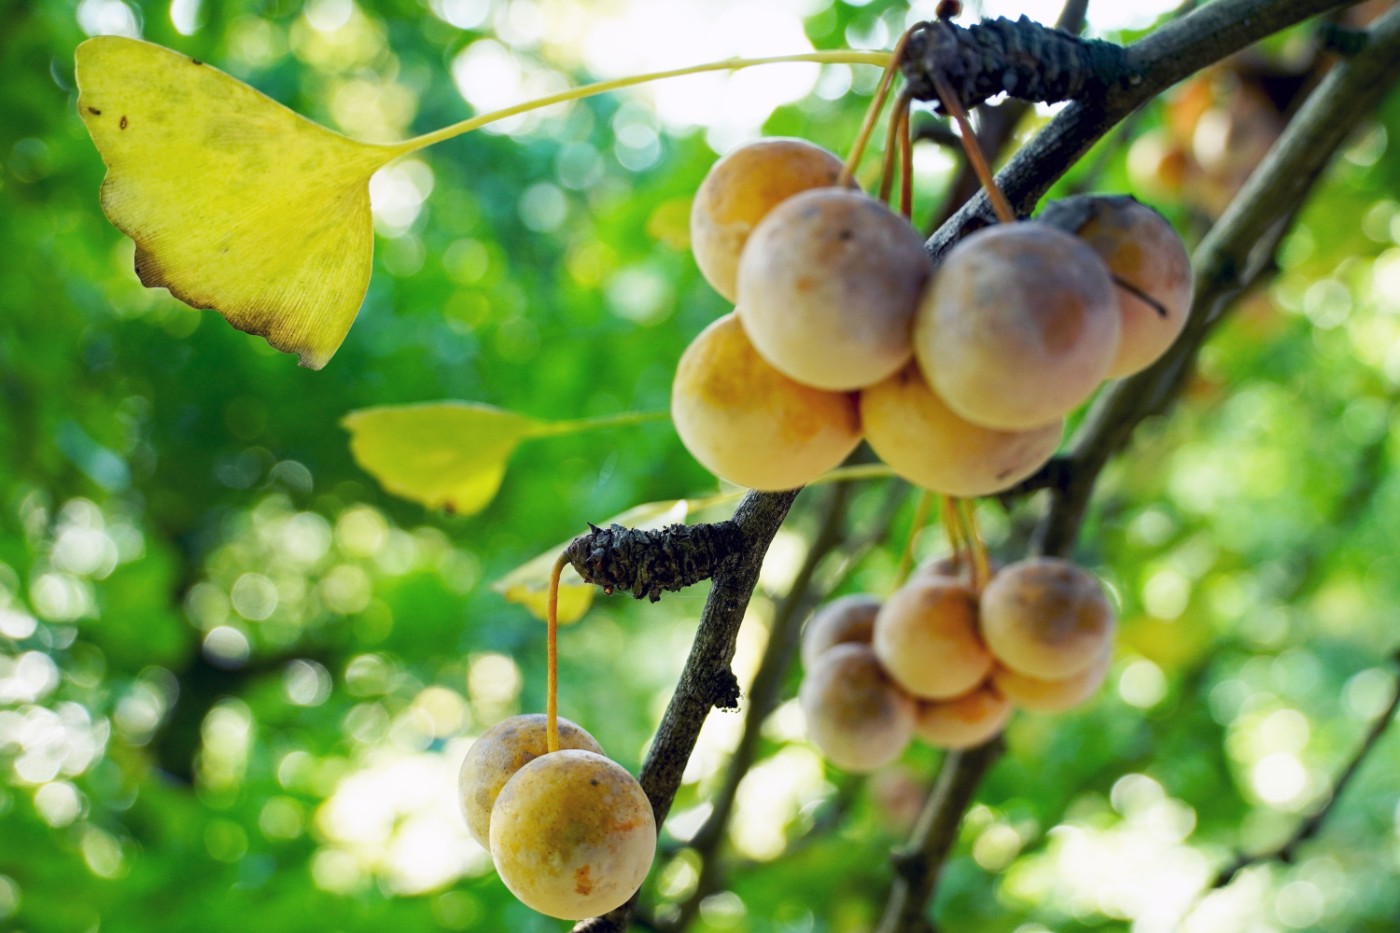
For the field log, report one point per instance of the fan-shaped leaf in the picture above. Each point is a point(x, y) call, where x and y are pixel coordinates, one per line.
point(448, 455)
point(235, 202)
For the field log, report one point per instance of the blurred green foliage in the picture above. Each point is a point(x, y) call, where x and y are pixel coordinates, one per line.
point(236, 677)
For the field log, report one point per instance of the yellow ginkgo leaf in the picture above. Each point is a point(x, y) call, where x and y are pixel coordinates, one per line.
point(447, 455)
point(528, 584)
point(235, 202)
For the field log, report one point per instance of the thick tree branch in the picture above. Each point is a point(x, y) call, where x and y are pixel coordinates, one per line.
point(707, 678)
point(1020, 58)
point(764, 696)
point(650, 562)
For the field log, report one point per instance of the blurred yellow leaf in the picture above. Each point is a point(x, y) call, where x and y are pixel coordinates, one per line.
point(528, 584)
point(448, 455)
point(235, 202)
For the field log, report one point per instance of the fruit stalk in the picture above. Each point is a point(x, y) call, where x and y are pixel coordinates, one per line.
point(552, 657)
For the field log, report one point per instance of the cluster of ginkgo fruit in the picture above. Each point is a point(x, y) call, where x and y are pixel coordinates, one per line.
point(571, 831)
point(943, 662)
point(958, 377)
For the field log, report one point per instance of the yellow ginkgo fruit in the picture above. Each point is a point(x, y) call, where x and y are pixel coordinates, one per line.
point(235, 202)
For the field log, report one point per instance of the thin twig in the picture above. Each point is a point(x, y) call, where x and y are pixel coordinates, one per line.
point(1310, 827)
point(918, 866)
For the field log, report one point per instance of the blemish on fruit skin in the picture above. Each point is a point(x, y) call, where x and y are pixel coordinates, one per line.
point(94, 111)
point(122, 124)
point(583, 884)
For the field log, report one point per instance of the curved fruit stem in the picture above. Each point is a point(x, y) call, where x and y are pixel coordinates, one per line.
point(952, 525)
point(906, 560)
point(832, 57)
point(977, 550)
point(974, 152)
point(906, 158)
point(551, 703)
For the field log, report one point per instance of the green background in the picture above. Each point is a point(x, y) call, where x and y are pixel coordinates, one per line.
point(236, 677)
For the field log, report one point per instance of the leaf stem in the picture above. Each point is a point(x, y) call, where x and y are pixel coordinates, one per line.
point(575, 425)
point(829, 57)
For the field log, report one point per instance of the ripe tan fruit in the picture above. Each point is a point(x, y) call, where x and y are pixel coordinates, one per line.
point(739, 191)
point(573, 834)
point(926, 442)
point(750, 424)
point(501, 751)
point(1051, 696)
point(963, 722)
point(1046, 618)
point(1020, 326)
point(828, 286)
point(1146, 258)
point(846, 619)
point(926, 637)
point(855, 714)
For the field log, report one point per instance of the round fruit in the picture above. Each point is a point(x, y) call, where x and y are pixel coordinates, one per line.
point(855, 714)
point(1020, 326)
point(926, 638)
point(929, 444)
point(828, 286)
point(573, 834)
point(501, 751)
point(1051, 696)
point(1046, 618)
point(739, 191)
point(750, 424)
point(1151, 271)
point(964, 721)
point(847, 619)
